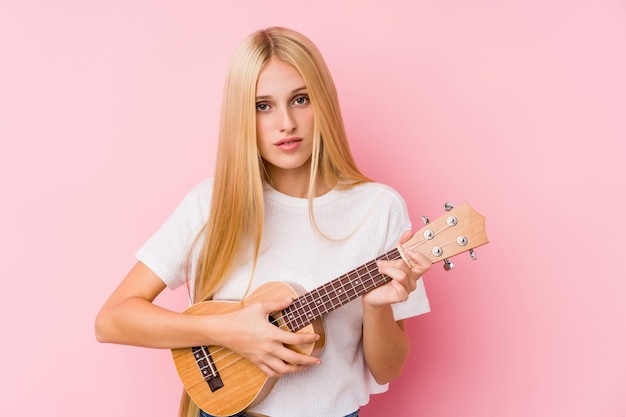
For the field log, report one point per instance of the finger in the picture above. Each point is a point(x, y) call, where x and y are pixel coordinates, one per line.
point(421, 263)
point(292, 357)
point(289, 338)
point(419, 259)
point(395, 269)
point(277, 367)
point(402, 274)
point(283, 360)
point(280, 359)
point(406, 236)
point(401, 290)
point(272, 306)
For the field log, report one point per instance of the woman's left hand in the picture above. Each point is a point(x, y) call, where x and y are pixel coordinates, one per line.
point(404, 279)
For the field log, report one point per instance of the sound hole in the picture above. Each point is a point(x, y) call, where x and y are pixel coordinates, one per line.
point(277, 320)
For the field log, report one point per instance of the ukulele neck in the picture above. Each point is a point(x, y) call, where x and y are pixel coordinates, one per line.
point(336, 293)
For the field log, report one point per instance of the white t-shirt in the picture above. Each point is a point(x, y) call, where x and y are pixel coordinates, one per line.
point(365, 222)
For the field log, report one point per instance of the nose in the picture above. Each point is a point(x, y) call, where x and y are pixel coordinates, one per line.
point(287, 122)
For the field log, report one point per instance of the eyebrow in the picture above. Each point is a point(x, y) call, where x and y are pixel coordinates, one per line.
point(297, 90)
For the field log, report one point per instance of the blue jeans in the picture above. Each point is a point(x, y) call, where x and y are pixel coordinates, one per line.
point(242, 414)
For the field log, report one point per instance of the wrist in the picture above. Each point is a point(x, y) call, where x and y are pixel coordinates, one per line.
point(375, 309)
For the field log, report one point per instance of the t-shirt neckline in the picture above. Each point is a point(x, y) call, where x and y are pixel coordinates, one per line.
point(285, 199)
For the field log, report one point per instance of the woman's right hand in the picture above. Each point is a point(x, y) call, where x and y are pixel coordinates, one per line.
point(250, 334)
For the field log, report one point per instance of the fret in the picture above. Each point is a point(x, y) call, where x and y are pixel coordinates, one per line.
point(317, 304)
point(357, 282)
point(311, 306)
point(293, 315)
point(340, 296)
point(363, 271)
point(288, 317)
point(324, 297)
point(329, 289)
point(351, 291)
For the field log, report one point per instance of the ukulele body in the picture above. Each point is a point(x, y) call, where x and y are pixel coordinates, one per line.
point(240, 384)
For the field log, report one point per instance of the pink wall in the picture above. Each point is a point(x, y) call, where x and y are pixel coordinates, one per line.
point(108, 115)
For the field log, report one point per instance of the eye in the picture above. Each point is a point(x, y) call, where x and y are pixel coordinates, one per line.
point(301, 100)
point(262, 107)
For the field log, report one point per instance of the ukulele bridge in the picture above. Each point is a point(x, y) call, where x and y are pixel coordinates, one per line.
point(207, 367)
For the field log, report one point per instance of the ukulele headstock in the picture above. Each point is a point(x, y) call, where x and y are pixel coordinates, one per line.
point(461, 229)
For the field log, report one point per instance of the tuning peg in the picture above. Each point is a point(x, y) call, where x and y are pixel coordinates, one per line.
point(447, 265)
point(448, 206)
point(425, 220)
point(473, 254)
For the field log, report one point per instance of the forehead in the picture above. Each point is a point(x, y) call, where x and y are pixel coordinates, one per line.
point(278, 77)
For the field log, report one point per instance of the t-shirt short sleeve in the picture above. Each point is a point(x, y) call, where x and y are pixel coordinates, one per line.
point(168, 252)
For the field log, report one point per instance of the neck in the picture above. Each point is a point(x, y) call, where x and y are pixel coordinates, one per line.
point(300, 190)
point(295, 183)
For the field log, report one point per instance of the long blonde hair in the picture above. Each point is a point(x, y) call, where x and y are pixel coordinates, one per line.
point(237, 207)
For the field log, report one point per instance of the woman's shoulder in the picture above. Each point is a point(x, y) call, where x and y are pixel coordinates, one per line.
point(377, 190)
point(200, 192)
point(379, 186)
point(203, 187)
point(197, 200)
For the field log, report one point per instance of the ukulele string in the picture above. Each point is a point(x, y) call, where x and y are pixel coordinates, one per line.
point(418, 243)
point(301, 311)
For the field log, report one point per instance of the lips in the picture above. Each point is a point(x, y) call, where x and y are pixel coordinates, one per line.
point(288, 141)
point(288, 144)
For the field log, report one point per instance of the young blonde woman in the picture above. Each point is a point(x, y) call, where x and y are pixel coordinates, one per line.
point(287, 203)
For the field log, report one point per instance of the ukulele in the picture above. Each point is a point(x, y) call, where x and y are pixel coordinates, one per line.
point(223, 383)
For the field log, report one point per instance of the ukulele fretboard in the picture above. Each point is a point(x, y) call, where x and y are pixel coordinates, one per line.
point(326, 298)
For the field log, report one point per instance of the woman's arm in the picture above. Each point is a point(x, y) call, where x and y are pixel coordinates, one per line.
point(385, 344)
point(130, 317)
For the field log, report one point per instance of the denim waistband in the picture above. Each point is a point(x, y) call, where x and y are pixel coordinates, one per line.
point(242, 414)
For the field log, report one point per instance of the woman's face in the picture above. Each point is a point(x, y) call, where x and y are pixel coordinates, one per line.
point(284, 121)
